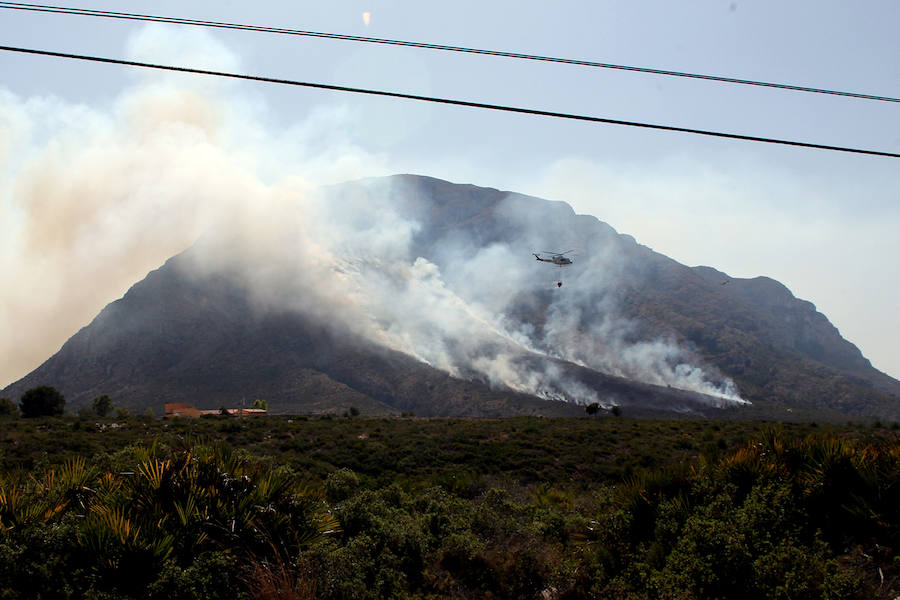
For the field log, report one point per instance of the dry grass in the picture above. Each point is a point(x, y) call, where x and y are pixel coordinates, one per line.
point(279, 581)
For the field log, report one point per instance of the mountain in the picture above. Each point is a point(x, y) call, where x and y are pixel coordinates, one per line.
point(412, 294)
point(176, 337)
point(180, 337)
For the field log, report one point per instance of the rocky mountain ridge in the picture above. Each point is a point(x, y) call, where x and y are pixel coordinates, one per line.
point(629, 327)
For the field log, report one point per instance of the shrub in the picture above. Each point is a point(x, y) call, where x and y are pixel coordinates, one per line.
point(340, 485)
point(8, 408)
point(102, 405)
point(42, 401)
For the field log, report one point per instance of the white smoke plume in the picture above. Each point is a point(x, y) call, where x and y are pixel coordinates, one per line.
point(91, 199)
point(608, 346)
point(349, 260)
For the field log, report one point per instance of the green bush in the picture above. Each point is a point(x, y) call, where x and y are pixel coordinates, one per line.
point(8, 408)
point(506, 509)
point(340, 485)
point(42, 401)
point(102, 405)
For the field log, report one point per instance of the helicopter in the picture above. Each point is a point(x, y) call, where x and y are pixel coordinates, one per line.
point(557, 258)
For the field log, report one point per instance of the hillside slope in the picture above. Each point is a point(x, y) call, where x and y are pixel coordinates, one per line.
point(176, 337)
point(409, 293)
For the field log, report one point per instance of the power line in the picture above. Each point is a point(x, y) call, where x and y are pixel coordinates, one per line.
point(383, 93)
point(371, 40)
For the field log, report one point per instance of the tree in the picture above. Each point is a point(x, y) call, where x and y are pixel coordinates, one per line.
point(42, 401)
point(616, 411)
point(8, 408)
point(258, 403)
point(592, 408)
point(102, 405)
point(354, 412)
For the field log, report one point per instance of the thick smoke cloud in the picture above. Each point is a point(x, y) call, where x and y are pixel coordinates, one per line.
point(92, 199)
point(350, 260)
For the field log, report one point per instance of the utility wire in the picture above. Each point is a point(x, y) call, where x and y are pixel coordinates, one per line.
point(513, 109)
point(371, 40)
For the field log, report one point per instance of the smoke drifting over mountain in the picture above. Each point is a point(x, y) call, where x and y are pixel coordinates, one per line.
point(93, 199)
point(350, 260)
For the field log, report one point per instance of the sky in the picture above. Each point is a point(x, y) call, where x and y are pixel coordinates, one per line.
point(107, 170)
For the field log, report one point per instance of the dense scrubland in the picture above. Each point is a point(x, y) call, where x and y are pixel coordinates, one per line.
point(354, 507)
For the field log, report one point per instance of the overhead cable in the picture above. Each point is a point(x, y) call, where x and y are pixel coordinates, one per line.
point(372, 40)
point(383, 93)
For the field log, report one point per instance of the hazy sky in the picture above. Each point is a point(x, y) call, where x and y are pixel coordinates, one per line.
point(106, 170)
